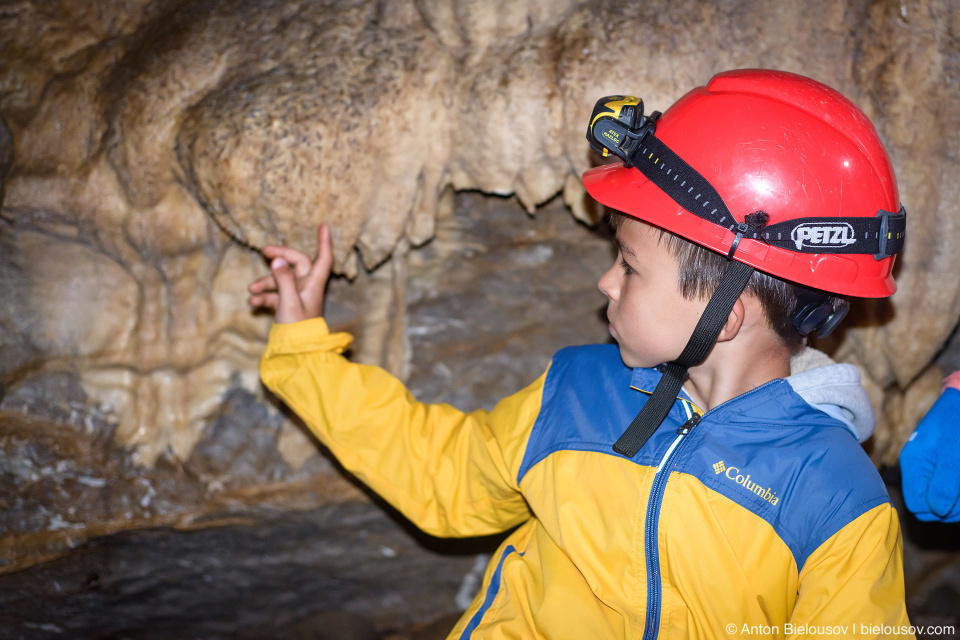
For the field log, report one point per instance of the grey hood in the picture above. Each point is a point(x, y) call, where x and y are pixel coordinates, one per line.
point(834, 389)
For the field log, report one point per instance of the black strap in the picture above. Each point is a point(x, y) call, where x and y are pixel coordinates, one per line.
point(881, 236)
point(683, 183)
point(698, 347)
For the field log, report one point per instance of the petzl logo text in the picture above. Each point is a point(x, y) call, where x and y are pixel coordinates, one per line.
point(827, 236)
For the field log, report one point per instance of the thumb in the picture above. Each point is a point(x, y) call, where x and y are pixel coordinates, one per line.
point(289, 305)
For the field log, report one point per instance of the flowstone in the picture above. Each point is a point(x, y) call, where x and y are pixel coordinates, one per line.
point(149, 150)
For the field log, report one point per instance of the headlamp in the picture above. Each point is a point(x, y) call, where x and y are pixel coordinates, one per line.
point(617, 125)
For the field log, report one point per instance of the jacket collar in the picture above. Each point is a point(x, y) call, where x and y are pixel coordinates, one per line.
point(646, 380)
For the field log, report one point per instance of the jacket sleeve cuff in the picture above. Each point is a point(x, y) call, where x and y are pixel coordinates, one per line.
point(304, 337)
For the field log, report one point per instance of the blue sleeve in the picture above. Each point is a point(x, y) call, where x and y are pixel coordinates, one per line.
point(930, 462)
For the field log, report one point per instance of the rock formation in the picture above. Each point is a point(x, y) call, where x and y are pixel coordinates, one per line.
point(150, 149)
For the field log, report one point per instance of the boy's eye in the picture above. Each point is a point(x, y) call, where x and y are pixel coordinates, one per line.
point(627, 269)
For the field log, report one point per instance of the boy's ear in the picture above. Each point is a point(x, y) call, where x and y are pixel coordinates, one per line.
point(734, 321)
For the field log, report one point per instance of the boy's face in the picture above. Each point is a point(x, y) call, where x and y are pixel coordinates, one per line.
point(649, 318)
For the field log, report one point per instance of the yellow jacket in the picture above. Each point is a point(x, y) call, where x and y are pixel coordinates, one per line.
point(764, 520)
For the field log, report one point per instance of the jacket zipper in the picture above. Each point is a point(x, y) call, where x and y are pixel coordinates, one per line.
point(652, 624)
point(650, 534)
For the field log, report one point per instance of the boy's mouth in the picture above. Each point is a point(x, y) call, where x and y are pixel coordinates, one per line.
point(611, 328)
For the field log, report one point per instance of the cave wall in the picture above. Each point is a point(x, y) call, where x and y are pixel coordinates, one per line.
point(149, 149)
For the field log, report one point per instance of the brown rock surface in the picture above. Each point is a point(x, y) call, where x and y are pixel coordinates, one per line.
point(134, 133)
point(135, 125)
point(130, 123)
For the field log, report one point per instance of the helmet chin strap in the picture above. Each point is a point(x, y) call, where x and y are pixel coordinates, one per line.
point(689, 189)
point(698, 347)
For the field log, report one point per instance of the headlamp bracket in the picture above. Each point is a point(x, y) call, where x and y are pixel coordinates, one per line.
point(891, 235)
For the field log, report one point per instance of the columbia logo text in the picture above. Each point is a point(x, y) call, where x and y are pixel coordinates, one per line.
point(733, 473)
point(810, 234)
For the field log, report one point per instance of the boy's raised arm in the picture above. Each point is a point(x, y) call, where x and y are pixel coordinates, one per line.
point(452, 473)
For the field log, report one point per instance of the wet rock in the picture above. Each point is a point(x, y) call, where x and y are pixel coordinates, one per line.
point(949, 358)
point(438, 629)
point(56, 396)
point(239, 444)
point(6, 152)
point(333, 625)
point(496, 294)
point(251, 576)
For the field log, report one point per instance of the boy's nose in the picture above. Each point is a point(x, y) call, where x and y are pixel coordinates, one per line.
point(608, 283)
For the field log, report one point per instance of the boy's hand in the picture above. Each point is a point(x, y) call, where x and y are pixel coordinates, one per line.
point(294, 290)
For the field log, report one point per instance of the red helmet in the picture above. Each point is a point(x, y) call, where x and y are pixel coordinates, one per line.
point(764, 141)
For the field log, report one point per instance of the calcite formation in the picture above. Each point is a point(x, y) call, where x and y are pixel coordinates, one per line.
point(149, 150)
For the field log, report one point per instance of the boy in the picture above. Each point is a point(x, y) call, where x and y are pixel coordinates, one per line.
point(738, 505)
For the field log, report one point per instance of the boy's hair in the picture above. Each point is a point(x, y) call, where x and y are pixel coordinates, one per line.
point(700, 271)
